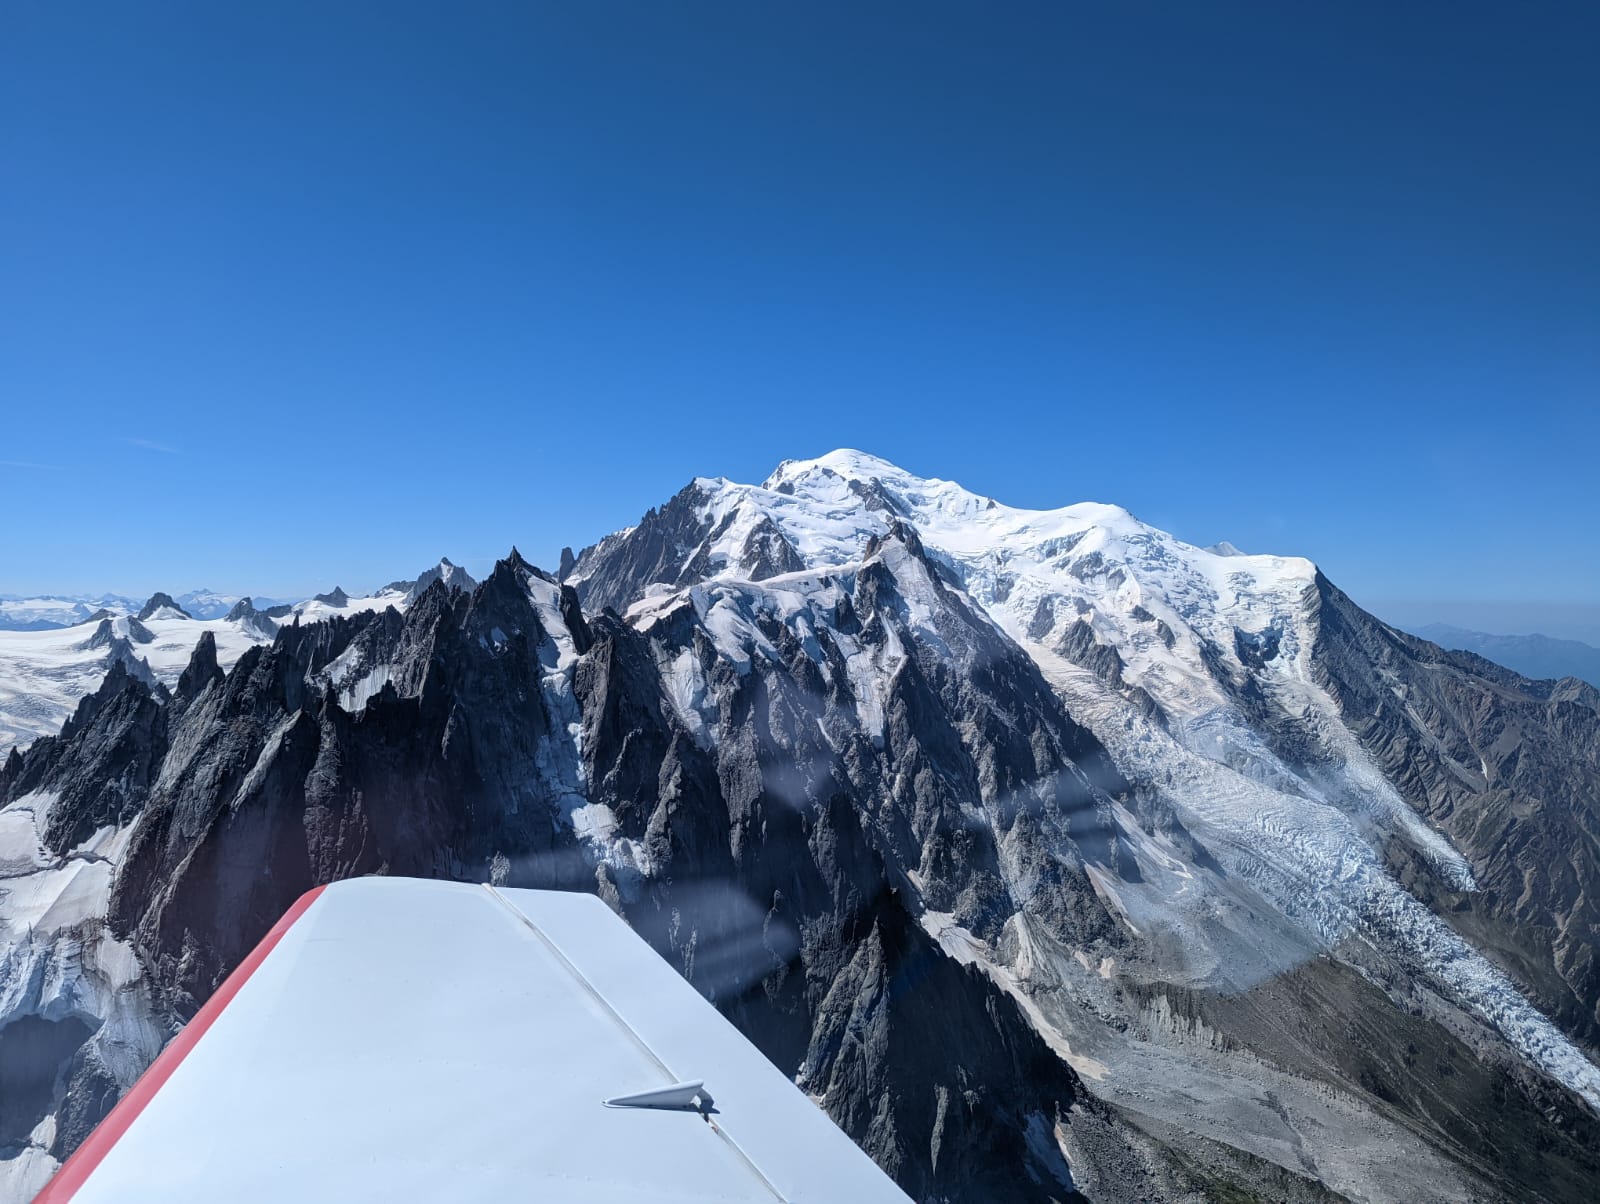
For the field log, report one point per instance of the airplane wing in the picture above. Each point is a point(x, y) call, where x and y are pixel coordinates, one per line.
point(395, 1039)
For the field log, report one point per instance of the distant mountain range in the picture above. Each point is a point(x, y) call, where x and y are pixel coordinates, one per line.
point(1536, 656)
point(53, 611)
point(56, 650)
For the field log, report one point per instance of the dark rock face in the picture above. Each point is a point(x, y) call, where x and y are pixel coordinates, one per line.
point(105, 635)
point(102, 763)
point(768, 552)
point(896, 998)
point(1509, 769)
point(1078, 645)
point(1525, 1139)
point(654, 551)
point(202, 670)
point(244, 612)
point(159, 601)
point(453, 575)
point(769, 838)
point(32, 1053)
point(1256, 648)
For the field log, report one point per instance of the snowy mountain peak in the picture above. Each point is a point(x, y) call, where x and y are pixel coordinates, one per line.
point(827, 508)
point(845, 462)
point(1072, 581)
point(162, 606)
point(1202, 668)
point(453, 575)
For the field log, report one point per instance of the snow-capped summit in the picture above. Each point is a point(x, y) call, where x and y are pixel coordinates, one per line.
point(453, 576)
point(163, 606)
point(1168, 625)
point(1168, 607)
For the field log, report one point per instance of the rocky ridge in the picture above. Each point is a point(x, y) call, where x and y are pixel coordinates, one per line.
point(1048, 853)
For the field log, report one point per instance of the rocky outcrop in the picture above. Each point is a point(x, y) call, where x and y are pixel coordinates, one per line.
point(245, 613)
point(1077, 643)
point(159, 602)
point(1509, 770)
point(620, 566)
point(106, 636)
point(453, 576)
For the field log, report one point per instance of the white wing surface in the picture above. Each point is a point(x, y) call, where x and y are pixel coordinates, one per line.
point(396, 1039)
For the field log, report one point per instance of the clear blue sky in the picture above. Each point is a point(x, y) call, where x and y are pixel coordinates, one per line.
point(296, 294)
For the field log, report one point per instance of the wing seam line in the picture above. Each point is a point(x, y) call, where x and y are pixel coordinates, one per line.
point(599, 997)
